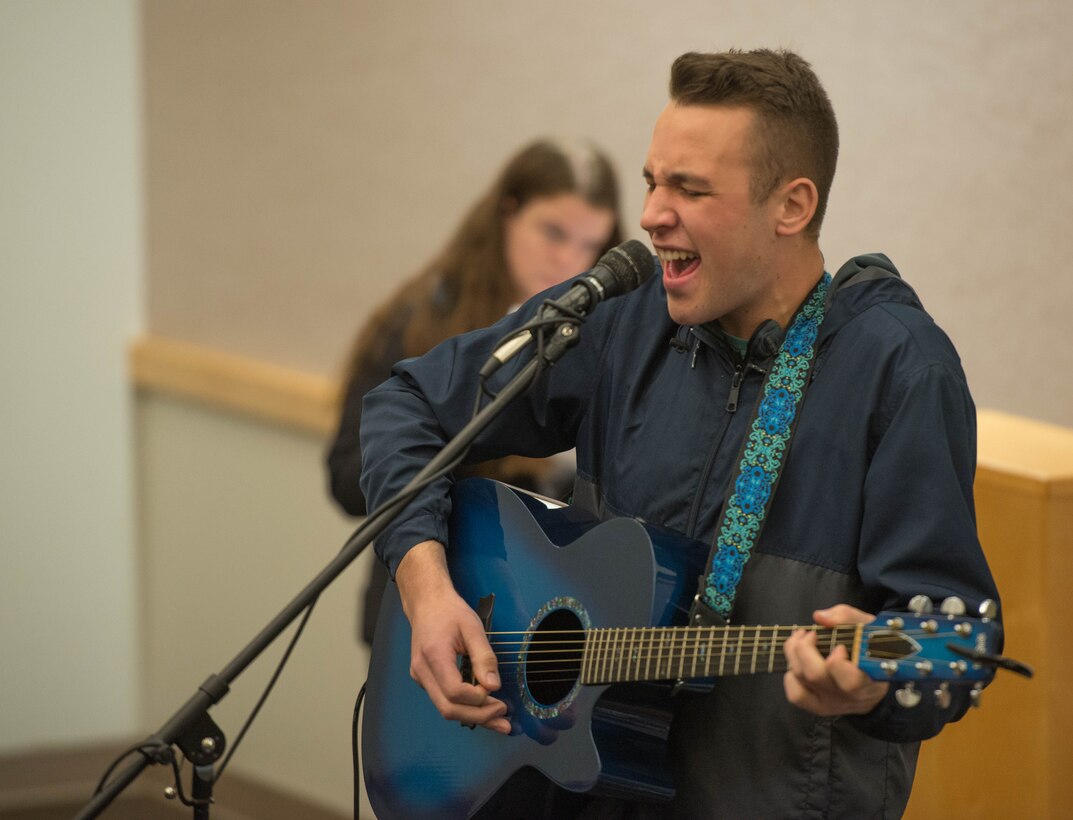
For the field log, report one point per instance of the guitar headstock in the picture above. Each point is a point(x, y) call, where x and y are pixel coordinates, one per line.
point(918, 646)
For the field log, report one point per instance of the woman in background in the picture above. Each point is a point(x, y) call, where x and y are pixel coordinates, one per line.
point(550, 214)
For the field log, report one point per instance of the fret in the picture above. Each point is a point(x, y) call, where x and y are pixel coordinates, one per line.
point(585, 648)
point(696, 651)
point(638, 655)
point(649, 634)
point(737, 654)
point(605, 654)
point(594, 655)
point(613, 653)
point(708, 655)
point(771, 649)
point(619, 652)
point(755, 648)
point(723, 652)
point(678, 647)
point(659, 654)
point(586, 656)
point(616, 655)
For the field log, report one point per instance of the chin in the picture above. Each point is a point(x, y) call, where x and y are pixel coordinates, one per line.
point(685, 314)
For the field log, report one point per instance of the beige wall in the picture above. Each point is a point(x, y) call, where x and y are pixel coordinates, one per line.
point(70, 298)
point(303, 157)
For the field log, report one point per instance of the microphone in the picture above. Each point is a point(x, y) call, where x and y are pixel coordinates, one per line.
point(622, 269)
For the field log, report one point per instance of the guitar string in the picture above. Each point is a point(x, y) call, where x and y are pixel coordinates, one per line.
point(708, 644)
point(667, 668)
point(699, 630)
point(639, 637)
point(669, 657)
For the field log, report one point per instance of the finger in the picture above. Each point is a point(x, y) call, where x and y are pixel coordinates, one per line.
point(790, 649)
point(491, 715)
point(841, 614)
point(808, 664)
point(481, 657)
point(853, 682)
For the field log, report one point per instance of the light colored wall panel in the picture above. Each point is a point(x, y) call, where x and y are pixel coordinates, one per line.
point(70, 298)
point(303, 158)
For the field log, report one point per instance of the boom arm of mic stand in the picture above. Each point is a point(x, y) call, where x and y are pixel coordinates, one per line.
point(216, 686)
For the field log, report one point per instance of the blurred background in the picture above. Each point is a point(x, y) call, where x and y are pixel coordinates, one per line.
point(245, 180)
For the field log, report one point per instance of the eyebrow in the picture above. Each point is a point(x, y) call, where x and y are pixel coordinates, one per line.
point(679, 178)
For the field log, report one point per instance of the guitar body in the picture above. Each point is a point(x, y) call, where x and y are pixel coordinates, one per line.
point(552, 575)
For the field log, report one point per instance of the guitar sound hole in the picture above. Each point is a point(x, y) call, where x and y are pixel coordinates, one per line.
point(553, 660)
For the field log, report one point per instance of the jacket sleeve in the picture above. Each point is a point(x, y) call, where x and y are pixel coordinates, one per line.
point(407, 420)
point(918, 533)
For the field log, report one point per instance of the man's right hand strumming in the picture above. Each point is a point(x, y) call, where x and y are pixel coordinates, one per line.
point(443, 628)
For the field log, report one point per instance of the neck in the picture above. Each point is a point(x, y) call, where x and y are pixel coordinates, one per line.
point(799, 271)
point(681, 653)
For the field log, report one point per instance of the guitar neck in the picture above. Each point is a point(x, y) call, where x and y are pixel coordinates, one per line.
point(682, 653)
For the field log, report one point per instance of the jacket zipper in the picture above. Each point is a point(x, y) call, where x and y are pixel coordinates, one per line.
point(740, 370)
point(735, 385)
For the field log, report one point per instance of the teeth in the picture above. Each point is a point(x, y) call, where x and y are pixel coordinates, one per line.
point(674, 256)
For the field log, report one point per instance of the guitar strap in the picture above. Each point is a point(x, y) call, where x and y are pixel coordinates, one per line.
point(752, 486)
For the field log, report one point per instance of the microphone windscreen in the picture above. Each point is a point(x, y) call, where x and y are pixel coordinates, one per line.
point(630, 265)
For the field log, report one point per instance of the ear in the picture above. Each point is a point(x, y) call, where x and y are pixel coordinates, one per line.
point(797, 201)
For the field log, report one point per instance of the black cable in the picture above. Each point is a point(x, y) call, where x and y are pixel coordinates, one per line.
point(354, 757)
point(143, 748)
point(268, 690)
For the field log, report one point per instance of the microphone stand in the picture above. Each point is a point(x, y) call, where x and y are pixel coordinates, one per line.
point(190, 728)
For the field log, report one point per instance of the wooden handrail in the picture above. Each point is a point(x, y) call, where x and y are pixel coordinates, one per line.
point(1020, 453)
point(264, 391)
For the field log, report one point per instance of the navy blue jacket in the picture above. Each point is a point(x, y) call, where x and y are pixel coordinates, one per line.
point(875, 504)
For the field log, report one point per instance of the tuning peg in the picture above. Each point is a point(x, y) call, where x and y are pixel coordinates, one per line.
point(920, 604)
point(942, 695)
point(958, 668)
point(952, 607)
point(974, 696)
point(988, 609)
point(908, 696)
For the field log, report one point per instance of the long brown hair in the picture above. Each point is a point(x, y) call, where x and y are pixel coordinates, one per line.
point(466, 285)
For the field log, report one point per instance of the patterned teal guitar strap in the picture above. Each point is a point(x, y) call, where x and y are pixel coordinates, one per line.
point(751, 488)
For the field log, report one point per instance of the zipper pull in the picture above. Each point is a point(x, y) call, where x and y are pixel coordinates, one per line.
point(696, 347)
point(735, 388)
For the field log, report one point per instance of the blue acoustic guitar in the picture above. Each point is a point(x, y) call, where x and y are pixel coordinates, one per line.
point(575, 643)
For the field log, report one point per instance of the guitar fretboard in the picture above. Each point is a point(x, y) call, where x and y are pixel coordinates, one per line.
point(681, 653)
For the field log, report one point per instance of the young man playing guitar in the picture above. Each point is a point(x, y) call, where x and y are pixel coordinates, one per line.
point(871, 505)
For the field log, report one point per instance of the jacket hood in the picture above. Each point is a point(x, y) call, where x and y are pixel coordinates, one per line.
point(863, 282)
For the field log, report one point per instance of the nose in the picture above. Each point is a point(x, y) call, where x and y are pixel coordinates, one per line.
point(657, 213)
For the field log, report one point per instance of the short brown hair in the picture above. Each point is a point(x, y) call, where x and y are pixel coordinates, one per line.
point(795, 130)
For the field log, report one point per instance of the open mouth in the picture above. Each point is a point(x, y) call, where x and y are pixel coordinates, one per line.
point(677, 264)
